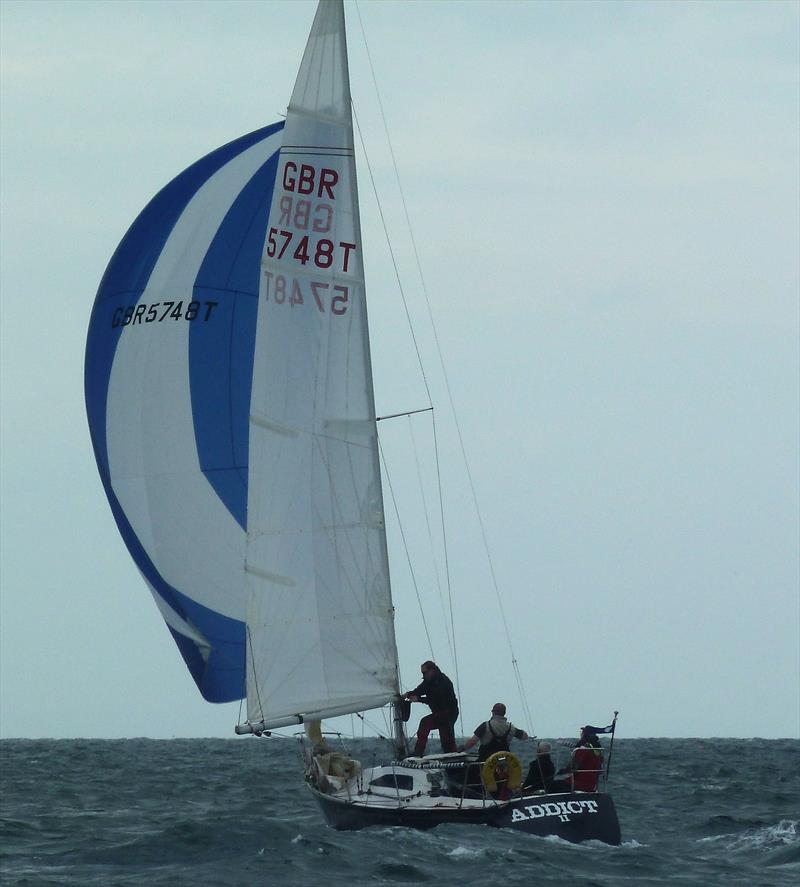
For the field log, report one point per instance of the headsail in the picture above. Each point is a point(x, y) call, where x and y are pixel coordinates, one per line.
point(319, 618)
point(169, 359)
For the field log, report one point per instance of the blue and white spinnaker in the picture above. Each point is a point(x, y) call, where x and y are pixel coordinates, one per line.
point(168, 376)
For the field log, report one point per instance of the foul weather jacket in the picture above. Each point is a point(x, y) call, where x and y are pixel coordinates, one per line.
point(438, 693)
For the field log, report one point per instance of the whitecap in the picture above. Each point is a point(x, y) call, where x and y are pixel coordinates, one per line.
point(468, 852)
point(767, 837)
point(563, 842)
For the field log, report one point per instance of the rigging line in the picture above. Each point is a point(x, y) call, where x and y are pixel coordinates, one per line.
point(408, 315)
point(428, 391)
point(447, 566)
point(244, 690)
point(391, 253)
point(405, 545)
point(430, 533)
point(255, 676)
point(430, 315)
point(366, 723)
point(441, 360)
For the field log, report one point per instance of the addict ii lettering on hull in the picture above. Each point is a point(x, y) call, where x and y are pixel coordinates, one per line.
point(562, 809)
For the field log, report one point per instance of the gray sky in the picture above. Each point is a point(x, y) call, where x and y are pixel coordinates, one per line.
point(605, 202)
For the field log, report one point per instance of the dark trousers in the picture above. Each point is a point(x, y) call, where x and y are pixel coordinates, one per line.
point(442, 721)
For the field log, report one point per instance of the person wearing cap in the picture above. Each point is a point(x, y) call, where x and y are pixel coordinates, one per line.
point(495, 734)
point(436, 691)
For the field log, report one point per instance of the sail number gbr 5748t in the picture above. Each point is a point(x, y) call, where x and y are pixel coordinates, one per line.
point(301, 242)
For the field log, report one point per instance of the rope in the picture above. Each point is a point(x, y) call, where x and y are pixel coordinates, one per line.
point(241, 705)
point(405, 546)
point(425, 382)
point(514, 662)
point(364, 721)
point(255, 673)
point(430, 537)
point(391, 253)
point(419, 360)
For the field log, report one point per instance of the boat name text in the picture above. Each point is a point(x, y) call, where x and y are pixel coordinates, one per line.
point(562, 809)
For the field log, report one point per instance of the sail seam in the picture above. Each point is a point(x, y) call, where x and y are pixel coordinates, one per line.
point(317, 153)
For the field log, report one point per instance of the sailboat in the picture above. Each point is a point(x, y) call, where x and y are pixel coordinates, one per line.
point(230, 402)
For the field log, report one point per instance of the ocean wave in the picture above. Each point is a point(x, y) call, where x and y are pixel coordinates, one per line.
point(767, 837)
point(184, 813)
point(467, 852)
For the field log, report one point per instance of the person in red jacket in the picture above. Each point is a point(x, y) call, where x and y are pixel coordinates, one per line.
point(587, 762)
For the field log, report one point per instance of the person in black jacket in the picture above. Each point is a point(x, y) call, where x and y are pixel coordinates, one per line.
point(436, 691)
point(542, 771)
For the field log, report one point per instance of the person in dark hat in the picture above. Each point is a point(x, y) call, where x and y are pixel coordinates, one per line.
point(495, 734)
point(436, 691)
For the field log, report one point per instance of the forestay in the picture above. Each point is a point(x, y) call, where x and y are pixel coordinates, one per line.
point(319, 618)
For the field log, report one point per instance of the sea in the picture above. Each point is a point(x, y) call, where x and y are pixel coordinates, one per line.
point(693, 812)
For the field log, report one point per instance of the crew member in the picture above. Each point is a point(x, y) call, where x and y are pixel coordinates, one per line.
point(541, 770)
point(495, 734)
point(436, 691)
point(587, 761)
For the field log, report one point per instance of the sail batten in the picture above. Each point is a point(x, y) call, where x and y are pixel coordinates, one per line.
point(316, 116)
point(268, 425)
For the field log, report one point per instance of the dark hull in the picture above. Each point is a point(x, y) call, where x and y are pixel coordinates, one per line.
point(573, 817)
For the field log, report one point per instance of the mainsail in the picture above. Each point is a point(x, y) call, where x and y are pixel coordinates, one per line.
point(169, 359)
point(320, 628)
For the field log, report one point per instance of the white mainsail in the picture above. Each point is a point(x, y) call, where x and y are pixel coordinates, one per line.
point(320, 627)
